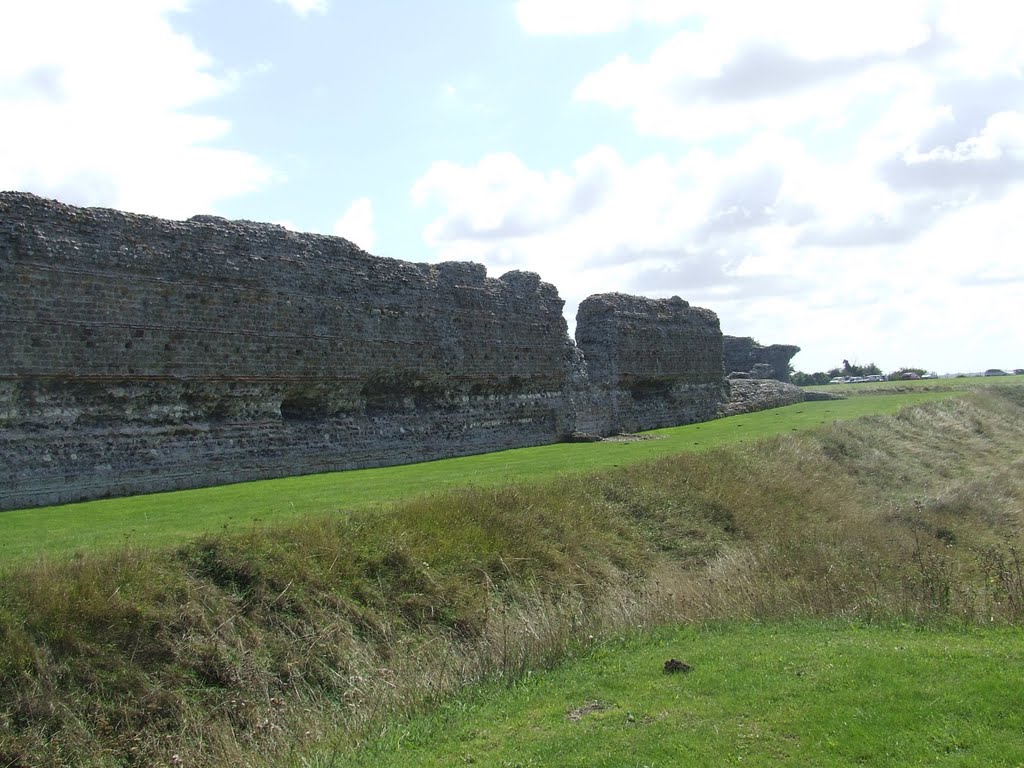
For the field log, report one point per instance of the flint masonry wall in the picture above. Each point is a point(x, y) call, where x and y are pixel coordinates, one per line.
point(650, 362)
point(140, 355)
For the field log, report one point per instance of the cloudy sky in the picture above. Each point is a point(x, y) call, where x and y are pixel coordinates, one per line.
point(848, 177)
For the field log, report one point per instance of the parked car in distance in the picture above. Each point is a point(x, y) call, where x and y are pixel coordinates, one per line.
point(875, 377)
point(838, 380)
point(996, 372)
point(910, 376)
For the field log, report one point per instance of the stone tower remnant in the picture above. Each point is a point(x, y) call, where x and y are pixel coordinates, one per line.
point(650, 362)
point(744, 355)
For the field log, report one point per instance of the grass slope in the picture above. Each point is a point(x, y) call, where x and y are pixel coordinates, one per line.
point(167, 519)
point(793, 694)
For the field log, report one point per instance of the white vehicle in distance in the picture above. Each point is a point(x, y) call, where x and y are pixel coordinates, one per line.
point(838, 380)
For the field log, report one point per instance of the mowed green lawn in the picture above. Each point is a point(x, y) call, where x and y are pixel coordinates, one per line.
point(800, 694)
point(167, 519)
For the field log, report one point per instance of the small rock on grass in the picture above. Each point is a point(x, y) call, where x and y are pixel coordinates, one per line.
point(672, 666)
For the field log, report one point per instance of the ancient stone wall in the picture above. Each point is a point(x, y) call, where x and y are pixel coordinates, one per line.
point(140, 355)
point(749, 395)
point(650, 362)
point(744, 355)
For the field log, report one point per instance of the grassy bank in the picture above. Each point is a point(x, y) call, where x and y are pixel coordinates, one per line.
point(167, 519)
point(273, 643)
point(792, 694)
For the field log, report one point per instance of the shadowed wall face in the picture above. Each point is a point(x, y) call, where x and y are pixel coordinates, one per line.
point(651, 362)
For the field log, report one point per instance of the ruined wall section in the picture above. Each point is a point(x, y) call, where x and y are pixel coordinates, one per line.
point(650, 363)
point(743, 354)
point(139, 354)
point(101, 292)
point(749, 395)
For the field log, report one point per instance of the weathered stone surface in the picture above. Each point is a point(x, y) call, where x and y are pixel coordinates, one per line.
point(140, 355)
point(749, 395)
point(650, 362)
point(743, 354)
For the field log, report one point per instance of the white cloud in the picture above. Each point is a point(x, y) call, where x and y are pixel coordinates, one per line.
point(985, 37)
point(1002, 137)
point(590, 17)
point(768, 67)
point(808, 27)
point(501, 198)
point(738, 66)
point(305, 7)
point(356, 224)
point(785, 245)
point(606, 224)
point(874, 150)
point(99, 107)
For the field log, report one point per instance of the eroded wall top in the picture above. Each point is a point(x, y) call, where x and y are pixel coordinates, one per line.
point(101, 293)
point(632, 340)
point(744, 354)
